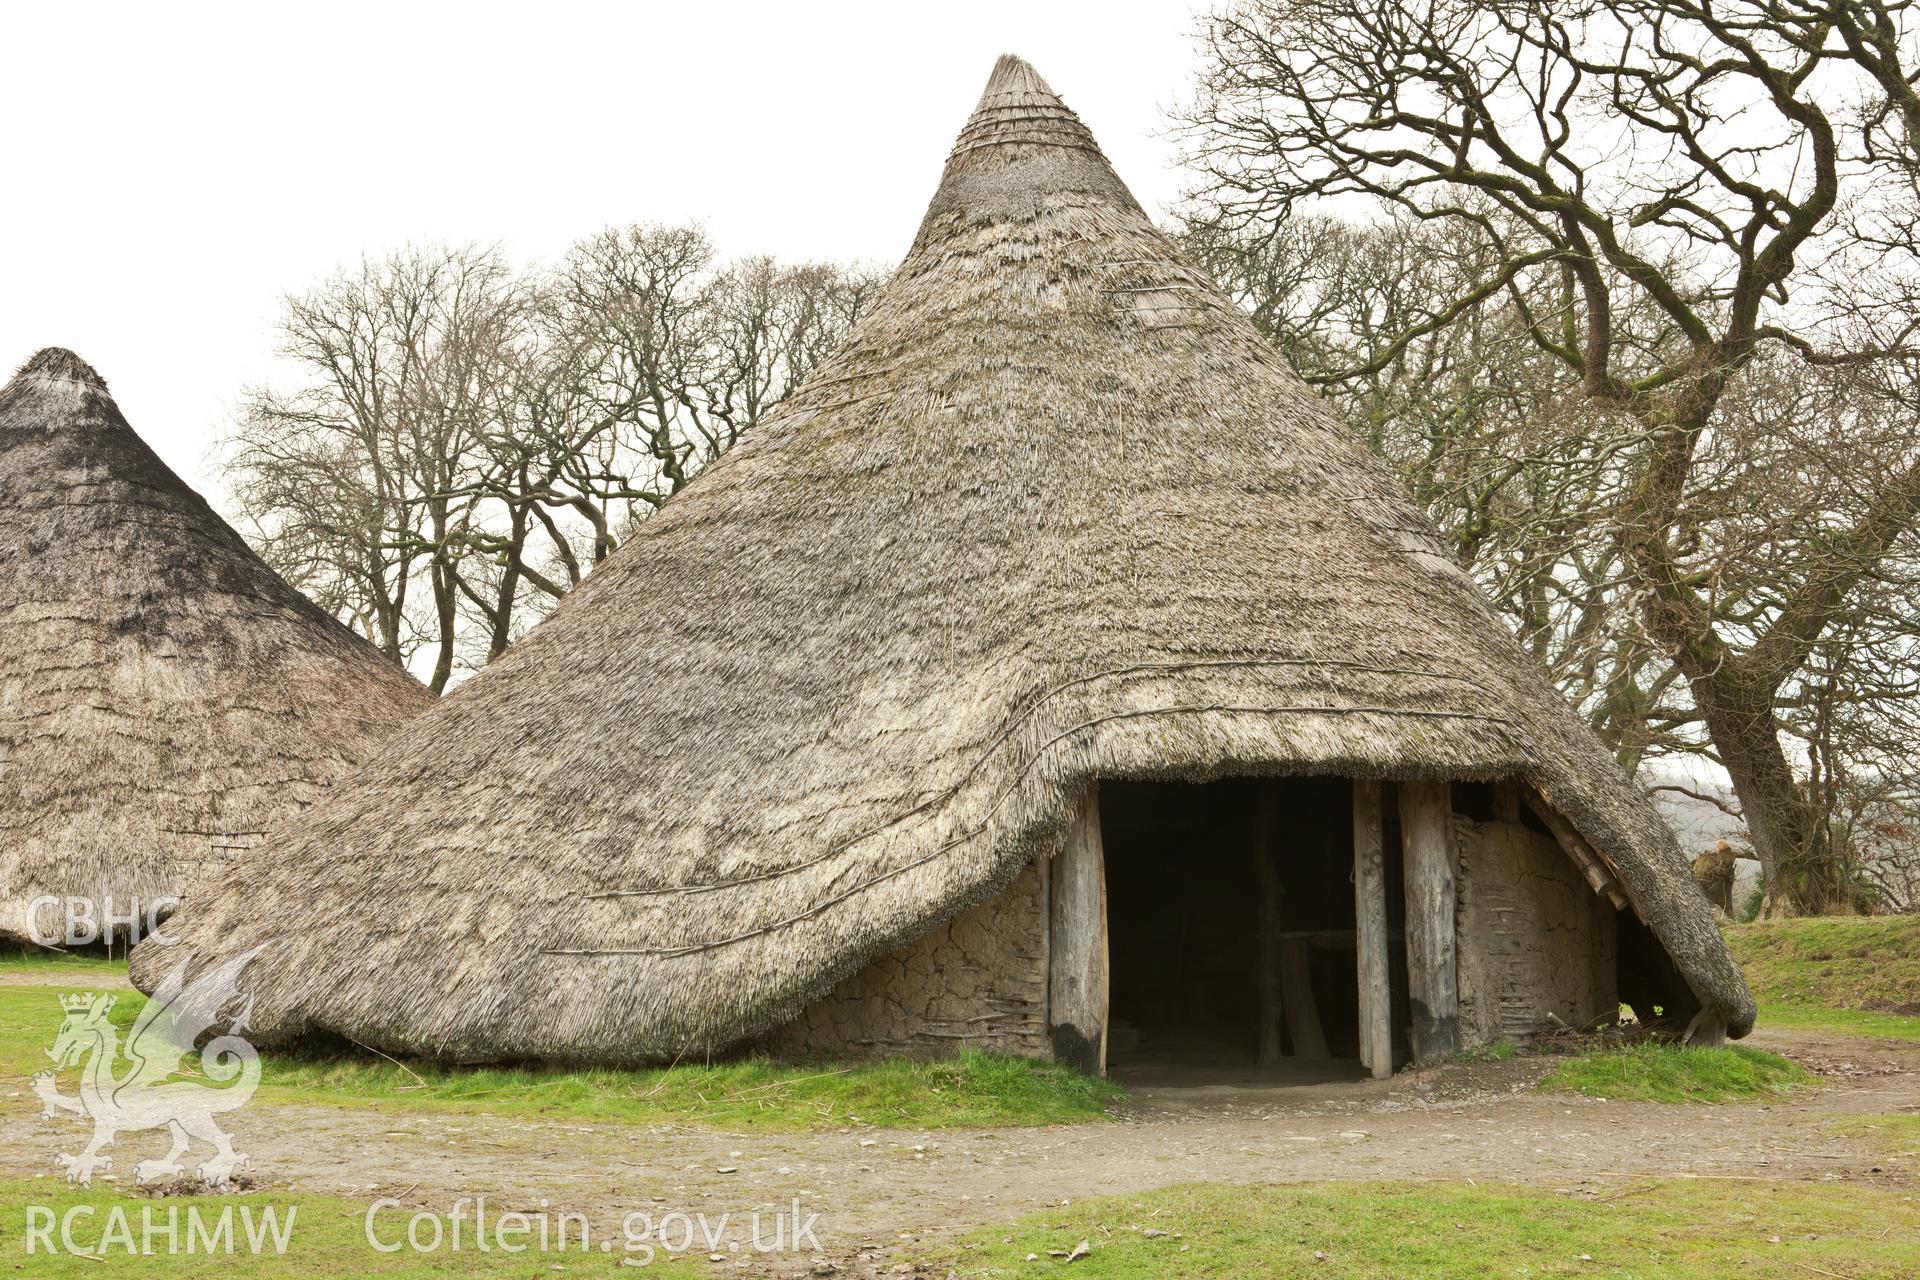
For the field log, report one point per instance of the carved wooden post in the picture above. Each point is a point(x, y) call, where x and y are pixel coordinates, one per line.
point(1370, 929)
point(1077, 950)
point(1426, 834)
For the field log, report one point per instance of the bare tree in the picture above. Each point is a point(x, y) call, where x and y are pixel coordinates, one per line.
point(1495, 438)
point(465, 442)
point(1664, 192)
point(771, 325)
point(354, 477)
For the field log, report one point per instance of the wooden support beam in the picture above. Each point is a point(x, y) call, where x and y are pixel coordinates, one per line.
point(1426, 833)
point(1266, 874)
point(1303, 1016)
point(1592, 866)
point(1077, 943)
point(1370, 928)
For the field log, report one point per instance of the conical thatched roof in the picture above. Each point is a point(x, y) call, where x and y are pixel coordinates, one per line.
point(1054, 512)
point(164, 695)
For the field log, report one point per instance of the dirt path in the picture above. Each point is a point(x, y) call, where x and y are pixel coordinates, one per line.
point(52, 976)
point(880, 1188)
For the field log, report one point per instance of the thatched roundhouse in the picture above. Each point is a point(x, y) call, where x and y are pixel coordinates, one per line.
point(164, 695)
point(1050, 672)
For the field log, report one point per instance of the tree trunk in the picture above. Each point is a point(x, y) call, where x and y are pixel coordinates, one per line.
point(509, 589)
point(443, 609)
point(1797, 860)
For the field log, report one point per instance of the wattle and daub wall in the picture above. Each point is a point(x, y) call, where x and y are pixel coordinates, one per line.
point(978, 981)
point(1535, 943)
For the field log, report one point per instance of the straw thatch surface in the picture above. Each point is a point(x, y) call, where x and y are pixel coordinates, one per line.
point(1054, 512)
point(164, 695)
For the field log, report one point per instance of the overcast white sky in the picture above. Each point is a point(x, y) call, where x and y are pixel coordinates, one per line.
point(173, 170)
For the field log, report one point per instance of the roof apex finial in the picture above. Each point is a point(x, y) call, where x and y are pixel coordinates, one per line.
point(1014, 74)
point(58, 362)
point(1022, 145)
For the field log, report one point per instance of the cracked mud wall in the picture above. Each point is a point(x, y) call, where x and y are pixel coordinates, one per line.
point(1533, 939)
point(977, 981)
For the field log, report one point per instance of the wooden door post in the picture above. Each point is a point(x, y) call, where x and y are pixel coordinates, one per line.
point(1370, 929)
point(1426, 834)
point(1266, 876)
point(1077, 949)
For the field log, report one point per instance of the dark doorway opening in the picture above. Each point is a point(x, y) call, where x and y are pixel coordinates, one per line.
point(1186, 921)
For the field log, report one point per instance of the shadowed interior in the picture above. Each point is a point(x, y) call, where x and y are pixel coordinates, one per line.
point(1185, 920)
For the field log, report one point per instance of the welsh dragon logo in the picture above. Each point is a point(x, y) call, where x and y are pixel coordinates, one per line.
point(157, 1090)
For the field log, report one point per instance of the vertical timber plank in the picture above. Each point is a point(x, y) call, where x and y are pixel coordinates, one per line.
point(1370, 928)
point(1426, 826)
point(1267, 877)
point(1077, 945)
point(1303, 1016)
point(1045, 867)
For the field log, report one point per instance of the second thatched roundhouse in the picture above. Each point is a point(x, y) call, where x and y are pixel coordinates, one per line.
point(165, 697)
point(1049, 673)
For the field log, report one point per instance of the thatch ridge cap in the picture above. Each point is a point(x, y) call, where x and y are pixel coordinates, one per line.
point(1020, 149)
point(1014, 74)
point(58, 362)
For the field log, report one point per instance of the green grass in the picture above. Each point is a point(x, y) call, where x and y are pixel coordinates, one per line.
point(1852, 974)
point(1894, 1135)
point(327, 1238)
point(1668, 1073)
point(83, 965)
point(974, 1090)
point(30, 1012)
point(1793, 1017)
point(1449, 1231)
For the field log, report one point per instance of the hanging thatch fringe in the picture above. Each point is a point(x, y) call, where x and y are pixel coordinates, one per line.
point(1194, 664)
